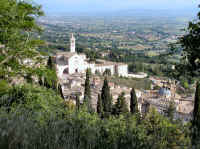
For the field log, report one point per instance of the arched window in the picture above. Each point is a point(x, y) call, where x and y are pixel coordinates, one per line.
point(66, 71)
point(76, 70)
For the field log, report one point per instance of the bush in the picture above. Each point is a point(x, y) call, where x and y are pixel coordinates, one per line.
point(34, 98)
point(78, 130)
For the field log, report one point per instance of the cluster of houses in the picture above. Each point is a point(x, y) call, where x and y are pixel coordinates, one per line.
point(71, 68)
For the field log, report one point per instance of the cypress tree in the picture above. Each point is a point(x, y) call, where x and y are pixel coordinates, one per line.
point(121, 106)
point(87, 93)
point(133, 102)
point(60, 91)
point(99, 106)
point(77, 102)
point(196, 112)
point(50, 63)
point(147, 107)
point(106, 98)
point(196, 115)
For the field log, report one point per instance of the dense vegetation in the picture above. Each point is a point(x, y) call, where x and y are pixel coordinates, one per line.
point(33, 114)
point(83, 130)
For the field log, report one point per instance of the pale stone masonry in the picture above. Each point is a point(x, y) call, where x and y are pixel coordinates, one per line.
point(72, 62)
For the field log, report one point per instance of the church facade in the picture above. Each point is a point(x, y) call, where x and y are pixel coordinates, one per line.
point(72, 62)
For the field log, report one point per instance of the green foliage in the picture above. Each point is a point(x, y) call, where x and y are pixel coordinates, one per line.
point(14, 64)
point(81, 129)
point(2, 73)
point(99, 106)
point(184, 83)
point(107, 72)
point(87, 93)
point(77, 102)
point(136, 67)
point(60, 91)
point(170, 111)
point(34, 98)
point(4, 87)
point(18, 22)
point(48, 78)
point(196, 116)
point(196, 112)
point(106, 98)
point(156, 87)
point(164, 134)
point(120, 106)
point(50, 64)
point(132, 82)
point(133, 102)
point(92, 55)
point(33, 116)
point(191, 49)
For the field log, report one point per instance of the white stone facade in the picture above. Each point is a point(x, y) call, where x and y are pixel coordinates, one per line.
point(72, 62)
point(72, 44)
point(102, 68)
point(122, 70)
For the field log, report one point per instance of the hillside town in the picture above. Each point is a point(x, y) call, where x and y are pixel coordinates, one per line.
point(71, 67)
point(99, 74)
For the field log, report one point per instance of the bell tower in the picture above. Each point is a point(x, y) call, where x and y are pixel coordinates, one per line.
point(72, 44)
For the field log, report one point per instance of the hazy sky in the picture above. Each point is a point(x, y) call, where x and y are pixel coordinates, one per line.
point(113, 5)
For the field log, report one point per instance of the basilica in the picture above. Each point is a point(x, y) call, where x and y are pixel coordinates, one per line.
point(72, 62)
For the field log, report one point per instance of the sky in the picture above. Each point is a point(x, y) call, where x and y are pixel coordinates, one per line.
point(92, 6)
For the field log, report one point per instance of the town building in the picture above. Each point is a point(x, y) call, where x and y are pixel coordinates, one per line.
point(72, 62)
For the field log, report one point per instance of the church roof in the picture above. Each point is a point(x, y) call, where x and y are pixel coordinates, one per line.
point(105, 63)
point(164, 92)
point(101, 62)
point(66, 54)
point(121, 64)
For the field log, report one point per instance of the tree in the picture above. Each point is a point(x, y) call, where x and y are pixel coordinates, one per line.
point(106, 98)
point(121, 106)
point(18, 23)
point(145, 108)
point(99, 106)
point(133, 102)
point(191, 49)
point(164, 134)
point(92, 55)
point(170, 111)
point(87, 93)
point(50, 63)
point(196, 114)
point(60, 91)
point(107, 72)
point(77, 102)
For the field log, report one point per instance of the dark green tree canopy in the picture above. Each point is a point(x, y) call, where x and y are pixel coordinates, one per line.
point(196, 117)
point(87, 93)
point(77, 102)
point(107, 72)
point(133, 102)
point(191, 48)
point(106, 98)
point(99, 105)
point(121, 105)
point(196, 112)
point(170, 110)
point(50, 64)
point(18, 22)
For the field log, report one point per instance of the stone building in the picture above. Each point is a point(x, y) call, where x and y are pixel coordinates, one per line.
point(72, 62)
